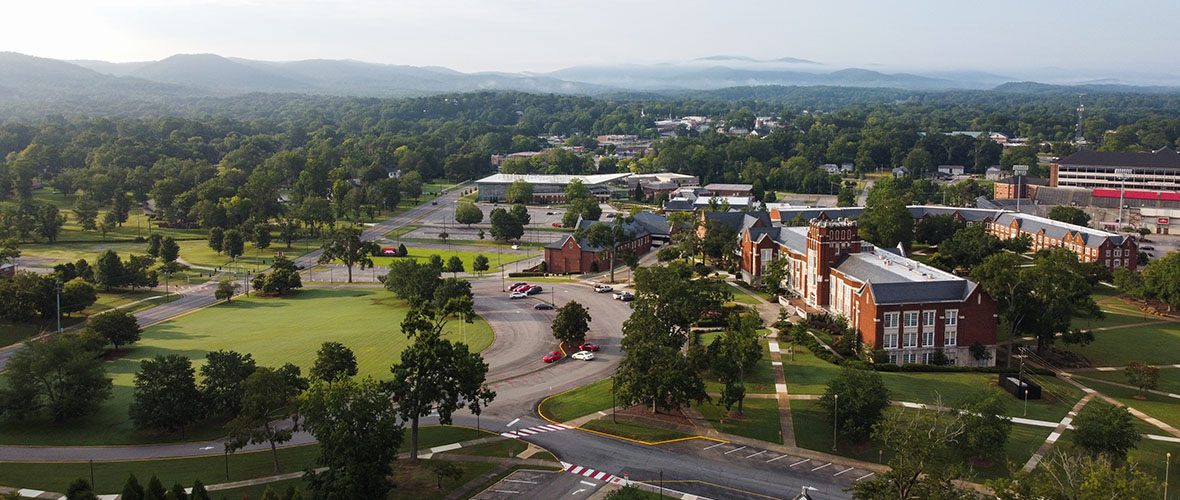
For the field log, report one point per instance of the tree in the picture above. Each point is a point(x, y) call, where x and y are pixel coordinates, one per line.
point(480, 264)
point(986, 428)
point(49, 222)
point(411, 185)
point(519, 192)
point(199, 492)
point(933, 230)
point(1070, 215)
point(347, 247)
point(226, 289)
point(165, 393)
point(445, 470)
point(132, 490)
point(61, 376)
point(266, 396)
point(121, 207)
point(571, 323)
point(232, 245)
point(77, 295)
point(720, 242)
point(282, 278)
point(1062, 476)
point(288, 232)
point(359, 435)
point(734, 353)
point(917, 471)
point(153, 248)
point(110, 221)
point(333, 361)
point(468, 213)
point(80, 489)
point(169, 250)
point(116, 326)
point(222, 379)
point(155, 489)
point(607, 238)
point(1106, 430)
point(1161, 279)
point(887, 222)
point(862, 400)
point(505, 226)
point(454, 265)
point(262, 236)
point(1143, 376)
point(216, 239)
point(177, 492)
point(435, 374)
point(86, 211)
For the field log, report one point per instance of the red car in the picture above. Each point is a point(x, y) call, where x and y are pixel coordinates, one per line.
point(520, 288)
point(556, 224)
point(588, 347)
point(552, 356)
point(518, 283)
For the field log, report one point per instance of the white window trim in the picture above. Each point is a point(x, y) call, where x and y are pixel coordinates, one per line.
point(894, 317)
point(931, 315)
point(950, 338)
point(906, 319)
point(951, 317)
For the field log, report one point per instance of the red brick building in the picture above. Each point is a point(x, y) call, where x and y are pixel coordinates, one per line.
point(571, 254)
point(906, 309)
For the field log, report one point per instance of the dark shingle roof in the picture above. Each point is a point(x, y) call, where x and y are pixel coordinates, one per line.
point(1162, 158)
point(739, 220)
point(636, 229)
point(680, 205)
point(656, 225)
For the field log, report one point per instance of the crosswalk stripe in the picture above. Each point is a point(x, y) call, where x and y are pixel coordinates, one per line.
point(577, 470)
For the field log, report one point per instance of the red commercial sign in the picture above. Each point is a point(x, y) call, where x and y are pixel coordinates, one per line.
point(1163, 220)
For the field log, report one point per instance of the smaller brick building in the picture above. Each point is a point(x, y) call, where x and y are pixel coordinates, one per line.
point(571, 254)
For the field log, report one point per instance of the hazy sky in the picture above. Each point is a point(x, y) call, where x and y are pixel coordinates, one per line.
point(542, 35)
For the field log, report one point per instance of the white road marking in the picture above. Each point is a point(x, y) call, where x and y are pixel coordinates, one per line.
point(799, 462)
point(735, 449)
point(512, 423)
point(776, 458)
point(756, 454)
point(446, 447)
point(519, 481)
point(587, 483)
point(507, 491)
point(577, 470)
point(829, 464)
point(578, 491)
point(714, 446)
point(843, 471)
point(599, 476)
point(203, 448)
point(776, 363)
point(864, 476)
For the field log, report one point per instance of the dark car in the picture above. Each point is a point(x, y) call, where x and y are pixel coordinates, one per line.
point(544, 306)
point(588, 347)
point(552, 356)
point(534, 290)
point(434, 203)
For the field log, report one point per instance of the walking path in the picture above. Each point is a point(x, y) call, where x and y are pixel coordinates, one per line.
point(1060, 428)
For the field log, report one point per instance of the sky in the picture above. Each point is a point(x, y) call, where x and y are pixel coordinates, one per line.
point(544, 35)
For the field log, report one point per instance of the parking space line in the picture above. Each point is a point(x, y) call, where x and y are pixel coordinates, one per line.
point(799, 462)
point(756, 454)
point(716, 445)
point(519, 481)
point(776, 458)
point(864, 476)
point(735, 449)
point(829, 464)
point(843, 471)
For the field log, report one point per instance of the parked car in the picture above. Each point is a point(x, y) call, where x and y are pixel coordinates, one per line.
point(610, 215)
point(548, 213)
point(434, 203)
point(519, 287)
point(624, 296)
point(518, 295)
point(514, 285)
point(1147, 247)
point(583, 355)
point(552, 356)
point(555, 224)
point(602, 288)
point(516, 247)
point(586, 346)
point(534, 290)
point(543, 306)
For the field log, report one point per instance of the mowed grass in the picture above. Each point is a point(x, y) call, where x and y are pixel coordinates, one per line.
point(760, 419)
point(759, 380)
point(274, 330)
point(1156, 344)
point(110, 476)
point(584, 400)
point(495, 260)
point(1164, 408)
point(197, 252)
point(807, 374)
point(1169, 379)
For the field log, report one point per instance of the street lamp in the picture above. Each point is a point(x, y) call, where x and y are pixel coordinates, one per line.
point(1122, 174)
point(1019, 172)
point(835, 418)
point(1167, 469)
point(57, 288)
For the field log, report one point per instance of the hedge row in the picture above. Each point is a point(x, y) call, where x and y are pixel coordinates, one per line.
point(820, 352)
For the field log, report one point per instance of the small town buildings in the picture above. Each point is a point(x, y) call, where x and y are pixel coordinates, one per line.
point(718, 189)
point(1023, 186)
point(994, 173)
point(572, 254)
point(546, 188)
point(1155, 171)
point(951, 169)
point(900, 172)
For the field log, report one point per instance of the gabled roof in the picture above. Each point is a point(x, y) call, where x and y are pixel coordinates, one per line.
point(739, 220)
point(1092, 238)
point(794, 238)
point(896, 279)
point(656, 225)
point(729, 187)
point(1161, 158)
point(679, 205)
point(636, 229)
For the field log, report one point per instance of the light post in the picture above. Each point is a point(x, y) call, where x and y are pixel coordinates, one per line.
point(1167, 469)
point(1122, 174)
point(612, 399)
point(57, 288)
point(835, 418)
point(1019, 171)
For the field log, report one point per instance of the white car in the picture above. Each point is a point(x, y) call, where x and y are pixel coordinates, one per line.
point(583, 355)
point(518, 295)
point(602, 288)
point(516, 247)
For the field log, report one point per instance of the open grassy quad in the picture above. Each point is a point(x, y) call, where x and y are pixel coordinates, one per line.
point(813, 430)
point(1164, 408)
point(273, 330)
point(578, 402)
point(1169, 379)
point(759, 380)
point(760, 419)
point(495, 260)
point(807, 374)
point(1155, 343)
point(136, 225)
point(197, 252)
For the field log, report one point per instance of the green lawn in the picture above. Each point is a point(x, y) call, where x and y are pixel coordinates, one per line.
point(810, 375)
point(136, 225)
point(760, 380)
point(578, 402)
point(1164, 408)
point(759, 421)
point(273, 330)
point(504, 448)
point(1169, 380)
point(197, 252)
point(631, 430)
point(495, 260)
point(1158, 343)
point(471, 243)
point(12, 333)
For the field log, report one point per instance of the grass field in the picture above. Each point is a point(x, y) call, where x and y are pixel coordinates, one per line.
point(807, 374)
point(760, 419)
point(495, 260)
point(198, 253)
point(1169, 380)
point(578, 402)
point(631, 430)
point(1157, 343)
point(1150, 456)
point(12, 333)
point(273, 330)
point(760, 380)
point(504, 448)
point(1164, 408)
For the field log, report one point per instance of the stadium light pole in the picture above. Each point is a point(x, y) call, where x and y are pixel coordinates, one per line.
point(1122, 174)
point(1019, 171)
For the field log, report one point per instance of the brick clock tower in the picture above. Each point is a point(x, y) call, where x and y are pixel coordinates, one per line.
point(827, 241)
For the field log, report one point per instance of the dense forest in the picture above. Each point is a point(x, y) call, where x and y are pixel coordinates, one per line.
point(330, 157)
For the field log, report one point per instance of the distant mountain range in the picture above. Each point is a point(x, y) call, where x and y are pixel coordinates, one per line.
point(200, 75)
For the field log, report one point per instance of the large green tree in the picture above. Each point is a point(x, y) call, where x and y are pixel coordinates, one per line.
point(347, 247)
point(267, 396)
point(359, 434)
point(571, 323)
point(733, 354)
point(505, 226)
point(1106, 430)
point(1069, 215)
point(115, 326)
point(1067, 476)
point(468, 213)
point(925, 445)
point(855, 400)
point(222, 378)
point(165, 394)
point(519, 192)
point(333, 361)
point(61, 377)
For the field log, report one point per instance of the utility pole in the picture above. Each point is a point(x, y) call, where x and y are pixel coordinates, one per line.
point(1122, 174)
point(835, 418)
point(1019, 171)
point(57, 288)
